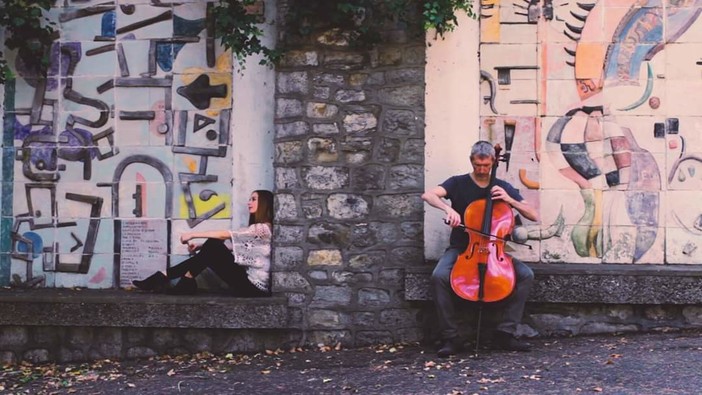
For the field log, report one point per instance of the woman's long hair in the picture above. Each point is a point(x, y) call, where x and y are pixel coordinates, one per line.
point(264, 213)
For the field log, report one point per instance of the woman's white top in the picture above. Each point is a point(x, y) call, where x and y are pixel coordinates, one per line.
point(251, 248)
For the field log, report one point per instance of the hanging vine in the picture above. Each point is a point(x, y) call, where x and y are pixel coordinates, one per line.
point(363, 20)
point(441, 14)
point(240, 32)
point(28, 31)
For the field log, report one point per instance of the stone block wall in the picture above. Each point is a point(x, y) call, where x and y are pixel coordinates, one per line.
point(553, 320)
point(41, 344)
point(349, 160)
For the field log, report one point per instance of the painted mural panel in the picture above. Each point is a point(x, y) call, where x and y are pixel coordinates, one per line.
point(125, 143)
point(598, 106)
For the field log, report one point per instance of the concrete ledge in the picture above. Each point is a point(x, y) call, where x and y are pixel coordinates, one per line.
point(594, 283)
point(118, 308)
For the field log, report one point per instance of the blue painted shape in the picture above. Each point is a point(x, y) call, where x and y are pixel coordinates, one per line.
point(44, 152)
point(37, 244)
point(187, 27)
point(21, 131)
point(642, 207)
point(554, 135)
point(645, 237)
point(8, 161)
point(167, 52)
point(637, 57)
point(71, 146)
point(165, 55)
point(54, 70)
point(680, 18)
point(648, 27)
point(109, 22)
point(579, 159)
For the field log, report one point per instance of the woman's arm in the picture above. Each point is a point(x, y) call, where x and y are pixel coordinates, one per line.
point(206, 234)
point(261, 230)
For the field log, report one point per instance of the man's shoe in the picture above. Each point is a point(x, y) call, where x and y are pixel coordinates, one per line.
point(450, 347)
point(155, 282)
point(507, 341)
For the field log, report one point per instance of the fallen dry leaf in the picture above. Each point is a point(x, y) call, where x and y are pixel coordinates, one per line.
point(486, 380)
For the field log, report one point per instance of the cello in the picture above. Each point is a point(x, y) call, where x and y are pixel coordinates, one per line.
point(483, 272)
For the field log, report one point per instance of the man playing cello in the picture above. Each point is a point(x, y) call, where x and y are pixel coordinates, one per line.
point(462, 190)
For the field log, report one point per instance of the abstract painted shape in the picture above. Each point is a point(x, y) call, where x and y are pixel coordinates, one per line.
point(36, 242)
point(636, 39)
point(642, 208)
point(75, 143)
point(579, 160)
point(108, 24)
point(167, 52)
point(99, 277)
point(647, 91)
point(586, 233)
point(201, 121)
point(200, 92)
point(79, 242)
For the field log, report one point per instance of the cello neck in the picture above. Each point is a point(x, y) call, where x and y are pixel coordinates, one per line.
point(487, 218)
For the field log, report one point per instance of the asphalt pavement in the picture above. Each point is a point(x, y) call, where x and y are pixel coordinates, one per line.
point(652, 363)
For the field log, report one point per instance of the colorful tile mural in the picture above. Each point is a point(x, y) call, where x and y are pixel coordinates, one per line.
point(123, 145)
point(597, 104)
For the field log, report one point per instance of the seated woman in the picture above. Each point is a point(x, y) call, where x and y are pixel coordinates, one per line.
point(245, 268)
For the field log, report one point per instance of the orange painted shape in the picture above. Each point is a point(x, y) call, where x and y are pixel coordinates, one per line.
point(490, 26)
point(530, 184)
point(588, 88)
point(589, 60)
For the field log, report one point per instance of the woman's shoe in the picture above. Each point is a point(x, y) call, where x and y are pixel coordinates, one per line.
point(185, 286)
point(155, 282)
